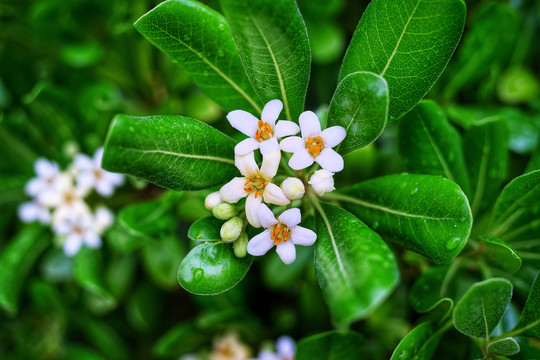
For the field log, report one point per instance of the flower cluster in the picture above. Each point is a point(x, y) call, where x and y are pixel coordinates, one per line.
point(259, 184)
point(58, 200)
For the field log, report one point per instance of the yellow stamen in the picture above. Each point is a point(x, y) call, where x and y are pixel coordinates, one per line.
point(280, 233)
point(255, 184)
point(314, 145)
point(264, 132)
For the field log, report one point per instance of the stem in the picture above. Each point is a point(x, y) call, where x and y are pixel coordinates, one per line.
point(516, 332)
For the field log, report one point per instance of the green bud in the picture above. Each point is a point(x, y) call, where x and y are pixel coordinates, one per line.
point(231, 230)
point(240, 246)
point(224, 211)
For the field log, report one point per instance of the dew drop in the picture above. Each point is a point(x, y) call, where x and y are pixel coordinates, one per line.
point(188, 137)
point(221, 53)
point(198, 274)
point(303, 58)
point(453, 243)
point(403, 354)
point(221, 27)
point(414, 191)
point(403, 185)
point(375, 225)
point(462, 219)
point(186, 37)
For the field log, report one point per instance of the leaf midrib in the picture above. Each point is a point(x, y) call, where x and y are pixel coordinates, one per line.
point(442, 160)
point(199, 157)
point(480, 183)
point(510, 209)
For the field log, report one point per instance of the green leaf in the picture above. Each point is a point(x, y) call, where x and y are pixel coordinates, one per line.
point(355, 268)
point(161, 259)
point(486, 147)
point(288, 274)
point(504, 347)
point(174, 152)
point(420, 343)
point(427, 214)
point(408, 43)
point(205, 229)
point(212, 268)
point(529, 321)
point(331, 345)
point(146, 219)
point(102, 336)
point(518, 205)
point(360, 105)
point(199, 39)
point(534, 163)
point(482, 307)
point(179, 340)
point(500, 254)
point(428, 144)
point(87, 272)
point(274, 47)
point(433, 288)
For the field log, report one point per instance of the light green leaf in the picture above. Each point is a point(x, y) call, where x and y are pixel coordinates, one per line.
point(420, 343)
point(433, 287)
point(355, 268)
point(199, 39)
point(482, 307)
point(500, 254)
point(212, 268)
point(273, 44)
point(360, 105)
point(332, 345)
point(529, 321)
point(427, 214)
point(205, 229)
point(504, 347)
point(408, 43)
point(174, 152)
point(428, 144)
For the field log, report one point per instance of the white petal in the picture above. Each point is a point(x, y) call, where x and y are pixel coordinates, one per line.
point(309, 124)
point(270, 164)
point(333, 136)
point(266, 217)
point(260, 244)
point(292, 144)
point(246, 146)
point(92, 239)
point(271, 111)
point(244, 122)
point(330, 160)
point(104, 218)
point(34, 186)
point(45, 169)
point(28, 211)
point(269, 146)
point(291, 217)
point(114, 178)
point(103, 188)
point(72, 245)
point(212, 200)
point(44, 216)
point(285, 128)
point(98, 156)
point(83, 162)
point(301, 159)
point(233, 191)
point(286, 252)
point(273, 194)
point(246, 164)
point(286, 347)
point(252, 207)
point(302, 236)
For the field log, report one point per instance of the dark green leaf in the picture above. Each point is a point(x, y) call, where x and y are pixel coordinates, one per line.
point(331, 345)
point(408, 43)
point(273, 44)
point(212, 268)
point(505, 347)
point(120, 274)
point(200, 40)
point(420, 343)
point(146, 219)
point(482, 307)
point(122, 240)
point(87, 272)
point(355, 268)
point(174, 152)
point(287, 273)
point(144, 307)
point(428, 144)
point(180, 339)
point(529, 321)
point(360, 105)
point(500, 254)
point(161, 259)
point(425, 213)
point(102, 336)
point(432, 288)
point(205, 229)
point(534, 163)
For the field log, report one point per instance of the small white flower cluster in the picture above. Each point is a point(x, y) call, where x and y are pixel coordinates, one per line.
point(257, 182)
point(58, 200)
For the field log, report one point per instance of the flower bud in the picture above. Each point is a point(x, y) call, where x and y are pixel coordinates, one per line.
point(224, 211)
point(240, 246)
point(293, 188)
point(230, 231)
point(322, 181)
point(212, 200)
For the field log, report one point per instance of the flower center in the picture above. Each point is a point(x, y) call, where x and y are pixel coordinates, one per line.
point(255, 184)
point(314, 145)
point(264, 132)
point(98, 174)
point(78, 230)
point(280, 233)
point(69, 197)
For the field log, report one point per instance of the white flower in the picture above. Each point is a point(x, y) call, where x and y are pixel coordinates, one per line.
point(283, 232)
point(44, 186)
point(212, 200)
point(68, 199)
point(293, 188)
point(256, 184)
point(77, 230)
point(102, 220)
point(314, 145)
point(285, 347)
point(91, 175)
point(32, 211)
point(262, 133)
point(322, 181)
point(229, 347)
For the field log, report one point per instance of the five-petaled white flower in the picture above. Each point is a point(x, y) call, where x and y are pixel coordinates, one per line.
point(283, 232)
point(314, 145)
point(256, 184)
point(78, 230)
point(91, 175)
point(45, 185)
point(262, 133)
point(68, 199)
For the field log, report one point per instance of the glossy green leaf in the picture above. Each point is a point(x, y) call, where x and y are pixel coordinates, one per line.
point(331, 345)
point(88, 273)
point(273, 44)
point(288, 274)
point(408, 43)
point(123, 240)
point(179, 340)
point(529, 321)
point(486, 157)
point(505, 347)
point(161, 259)
point(482, 307)
point(174, 152)
point(425, 213)
point(420, 343)
point(199, 39)
point(432, 288)
point(428, 144)
point(212, 268)
point(360, 105)
point(205, 229)
point(500, 254)
point(146, 219)
point(355, 268)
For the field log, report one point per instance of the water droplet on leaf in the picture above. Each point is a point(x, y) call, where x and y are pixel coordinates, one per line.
point(221, 53)
point(375, 225)
point(188, 137)
point(453, 243)
point(198, 274)
point(221, 27)
point(414, 191)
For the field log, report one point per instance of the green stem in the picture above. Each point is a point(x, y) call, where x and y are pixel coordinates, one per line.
point(516, 332)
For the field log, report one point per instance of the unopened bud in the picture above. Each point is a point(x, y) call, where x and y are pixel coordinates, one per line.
point(230, 231)
point(240, 246)
point(224, 211)
point(293, 188)
point(212, 200)
point(322, 181)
